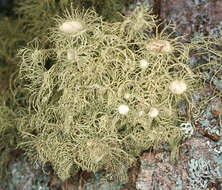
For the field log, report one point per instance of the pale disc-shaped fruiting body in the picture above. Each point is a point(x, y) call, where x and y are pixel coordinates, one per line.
point(143, 64)
point(123, 109)
point(178, 87)
point(159, 46)
point(153, 112)
point(71, 27)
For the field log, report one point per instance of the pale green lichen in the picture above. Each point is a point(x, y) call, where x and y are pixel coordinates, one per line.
point(77, 86)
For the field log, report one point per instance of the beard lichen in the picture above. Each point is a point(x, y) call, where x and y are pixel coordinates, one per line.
point(108, 95)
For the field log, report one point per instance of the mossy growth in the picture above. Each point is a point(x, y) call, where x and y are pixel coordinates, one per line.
point(103, 93)
point(11, 36)
point(7, 137)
